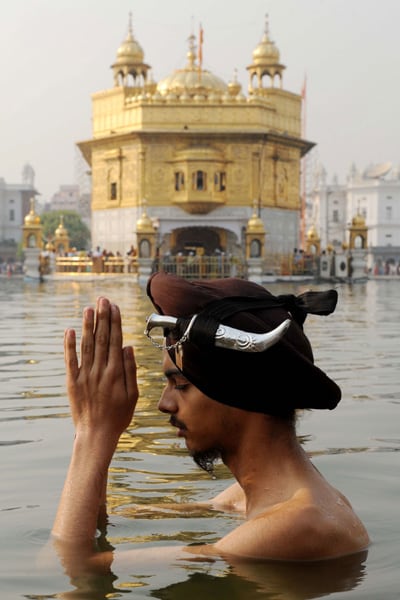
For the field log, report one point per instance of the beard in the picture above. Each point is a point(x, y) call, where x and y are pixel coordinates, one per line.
point(206, 459)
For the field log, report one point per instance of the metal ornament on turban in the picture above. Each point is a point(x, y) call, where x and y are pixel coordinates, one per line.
point(241, 345)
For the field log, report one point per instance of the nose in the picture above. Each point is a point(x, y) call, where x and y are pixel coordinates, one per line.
point(167, 403)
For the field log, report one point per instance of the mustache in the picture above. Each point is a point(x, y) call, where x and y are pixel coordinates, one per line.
point(177, 423)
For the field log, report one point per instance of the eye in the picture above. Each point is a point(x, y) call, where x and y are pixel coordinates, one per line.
point(180, 386)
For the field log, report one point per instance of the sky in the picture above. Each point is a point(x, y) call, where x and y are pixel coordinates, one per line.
point(54, 54)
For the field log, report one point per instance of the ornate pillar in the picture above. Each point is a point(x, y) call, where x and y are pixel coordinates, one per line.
point(255, 247)
point(32, 243)
point(358, 240)
point(61, 238)
point(146, 236)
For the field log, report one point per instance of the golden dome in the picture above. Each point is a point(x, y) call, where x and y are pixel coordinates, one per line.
point(358, 221)
point(144, 224)
point(312, 233)
point(61, 232)
point(50, 247)
point(192, 80)
point(234, 86)
point(32, 218)
point(266, 52)
point(130, 52)
point(255, 224)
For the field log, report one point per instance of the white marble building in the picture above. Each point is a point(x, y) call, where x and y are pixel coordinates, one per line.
point(14, 205)
point(373, 194)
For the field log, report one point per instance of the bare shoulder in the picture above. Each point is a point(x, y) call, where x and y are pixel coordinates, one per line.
point(298, 529)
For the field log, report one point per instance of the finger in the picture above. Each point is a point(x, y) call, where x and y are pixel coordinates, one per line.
point(70, 356)
point(115, 343)
point(130, 375)
point(87, 341)
point(101, 333)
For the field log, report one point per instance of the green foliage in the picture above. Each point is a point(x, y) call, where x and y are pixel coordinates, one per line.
point(78, 231)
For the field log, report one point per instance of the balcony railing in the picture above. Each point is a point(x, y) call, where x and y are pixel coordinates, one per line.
point(95, 264)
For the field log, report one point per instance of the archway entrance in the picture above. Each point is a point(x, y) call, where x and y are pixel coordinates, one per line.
point(197, 239)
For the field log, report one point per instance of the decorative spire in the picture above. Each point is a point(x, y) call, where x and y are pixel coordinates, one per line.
point(201, 39)
point(266, 26)
point(266, 62)
point(130, 28)
point(191, 55)
point(129, 67)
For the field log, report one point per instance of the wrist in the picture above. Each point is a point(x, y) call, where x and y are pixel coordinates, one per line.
point(95, 445)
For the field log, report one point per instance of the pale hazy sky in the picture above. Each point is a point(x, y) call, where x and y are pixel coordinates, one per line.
point(56, 53)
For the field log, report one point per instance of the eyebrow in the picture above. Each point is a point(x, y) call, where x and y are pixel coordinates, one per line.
point(171, 372)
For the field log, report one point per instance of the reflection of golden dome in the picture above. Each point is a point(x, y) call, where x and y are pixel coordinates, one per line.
point(266, 52)
point(192, 81)
point(32, 218)
point(358, 221)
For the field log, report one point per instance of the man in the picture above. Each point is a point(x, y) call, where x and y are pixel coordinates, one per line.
point(238, 366)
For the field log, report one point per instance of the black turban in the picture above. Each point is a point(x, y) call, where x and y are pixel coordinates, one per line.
point(277, 381)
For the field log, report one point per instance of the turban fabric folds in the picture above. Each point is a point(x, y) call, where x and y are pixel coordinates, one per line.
point(277, 381)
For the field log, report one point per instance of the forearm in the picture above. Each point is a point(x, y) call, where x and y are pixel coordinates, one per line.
point(102, 517)
point(83, 495)
point(103, 392)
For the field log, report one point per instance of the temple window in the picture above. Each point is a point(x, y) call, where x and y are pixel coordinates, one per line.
point(220, 181)
point(179, 181)
point(199, 179)
point(113, 190)
point(11, 215)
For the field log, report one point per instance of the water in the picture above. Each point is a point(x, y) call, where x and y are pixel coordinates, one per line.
point(356, 447)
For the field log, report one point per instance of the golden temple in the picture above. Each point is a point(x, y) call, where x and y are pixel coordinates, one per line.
point(198, 152)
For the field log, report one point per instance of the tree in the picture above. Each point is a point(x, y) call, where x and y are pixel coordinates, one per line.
point(78, 232)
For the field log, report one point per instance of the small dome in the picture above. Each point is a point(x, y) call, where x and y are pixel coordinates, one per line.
point(312, 233)
point(130, 52)
point(32, 218)
point(255, 224)
point(144, 224)
point(50, 247)
point(61, 232)
point(358, 221)
point(266, 52)
point(234, 86)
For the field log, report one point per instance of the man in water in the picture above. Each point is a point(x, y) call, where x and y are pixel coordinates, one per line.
point(238, 366)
